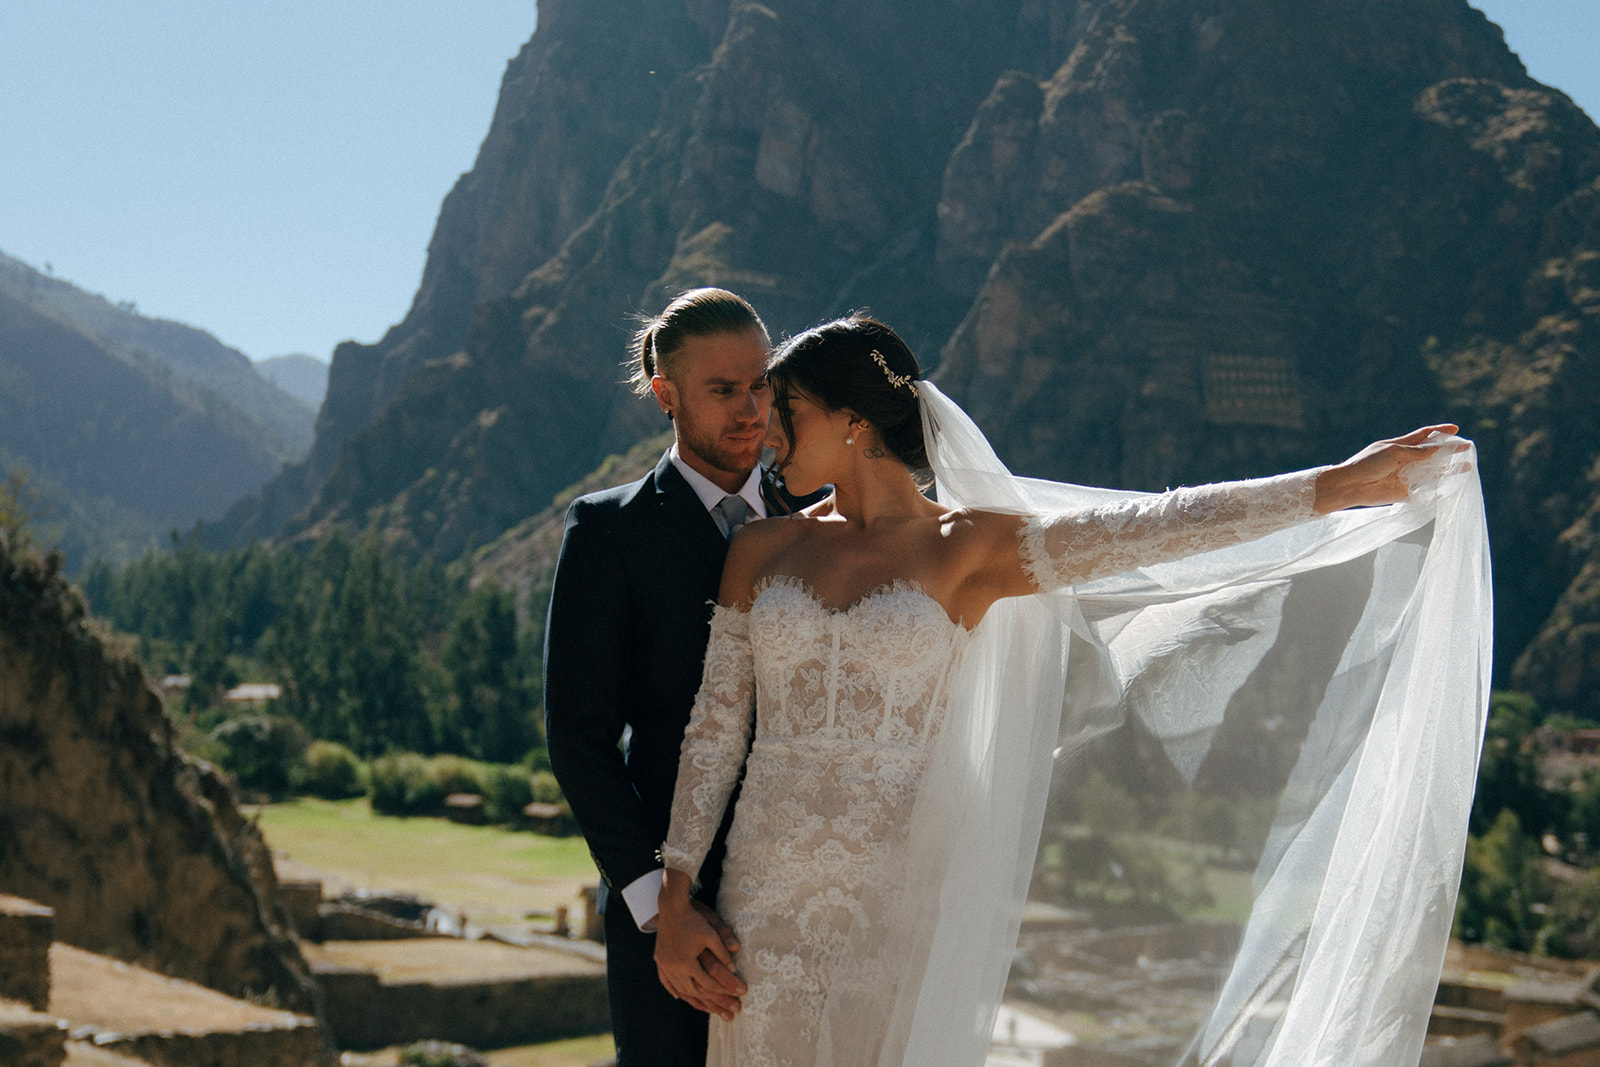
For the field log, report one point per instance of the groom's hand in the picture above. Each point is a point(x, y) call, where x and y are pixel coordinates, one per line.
point(694, 958)
point(725, 986)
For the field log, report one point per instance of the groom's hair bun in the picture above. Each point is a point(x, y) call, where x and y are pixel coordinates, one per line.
point(696, 313)
point(858, 364)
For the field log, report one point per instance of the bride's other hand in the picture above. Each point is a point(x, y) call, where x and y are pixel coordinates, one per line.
point(1377, 474)
point(694, 951)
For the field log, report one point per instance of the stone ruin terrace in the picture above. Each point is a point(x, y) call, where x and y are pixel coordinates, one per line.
point(63, 1005)
point(1147, 989)
point(387, 982)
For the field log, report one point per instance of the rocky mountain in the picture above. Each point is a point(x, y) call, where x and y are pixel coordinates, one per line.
point(301, 376)
point(1147, 242)
point(140, 850)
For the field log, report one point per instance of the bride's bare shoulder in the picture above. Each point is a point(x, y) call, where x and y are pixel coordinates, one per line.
point(768, 535)
point(980, 531)
point(752, 549)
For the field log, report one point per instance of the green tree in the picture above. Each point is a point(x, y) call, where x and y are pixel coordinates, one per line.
point(17, 504)
point(1503, 887)
point(488, 713)
point(1571, 926)
point(1584, 815)
point(1508, 773)
point(376, 645)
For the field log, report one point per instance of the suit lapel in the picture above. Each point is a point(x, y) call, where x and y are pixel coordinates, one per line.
point(682, 511)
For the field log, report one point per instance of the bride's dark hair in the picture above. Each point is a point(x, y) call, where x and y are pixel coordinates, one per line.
point(858, 364)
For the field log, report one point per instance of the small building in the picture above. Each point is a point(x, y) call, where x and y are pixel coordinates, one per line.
point(1583, 741)
point(550, 820)
point(466, 808)
point(253, 693)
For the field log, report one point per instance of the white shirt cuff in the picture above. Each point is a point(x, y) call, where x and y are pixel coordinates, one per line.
point(643, 895)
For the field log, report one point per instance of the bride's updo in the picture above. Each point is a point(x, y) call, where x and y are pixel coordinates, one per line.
point(858, 364)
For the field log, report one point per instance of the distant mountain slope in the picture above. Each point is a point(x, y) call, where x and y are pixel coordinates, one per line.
point(1146, 242)
point(117, 448)
point(284, 422)
point(301, 376)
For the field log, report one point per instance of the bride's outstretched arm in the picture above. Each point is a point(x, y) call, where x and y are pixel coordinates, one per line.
point(1096, 542)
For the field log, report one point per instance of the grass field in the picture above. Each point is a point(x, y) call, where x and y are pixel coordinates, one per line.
point(490, 874)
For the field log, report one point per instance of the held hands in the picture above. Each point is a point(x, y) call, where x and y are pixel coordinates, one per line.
point(694, 951)
point(1377, 474)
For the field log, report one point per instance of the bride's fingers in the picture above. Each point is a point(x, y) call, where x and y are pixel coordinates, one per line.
point(722, 975)
point(1422, 434)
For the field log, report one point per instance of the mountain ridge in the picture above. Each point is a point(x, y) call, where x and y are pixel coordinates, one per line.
point(191, 354)
point(1145, 242)
point(120, 445)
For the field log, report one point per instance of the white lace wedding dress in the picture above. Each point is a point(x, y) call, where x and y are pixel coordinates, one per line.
point(845, 706)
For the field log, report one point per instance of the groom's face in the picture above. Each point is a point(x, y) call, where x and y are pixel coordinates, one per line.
point(716, 390)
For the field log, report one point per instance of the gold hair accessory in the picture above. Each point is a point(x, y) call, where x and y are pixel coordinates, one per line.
point(896, 380)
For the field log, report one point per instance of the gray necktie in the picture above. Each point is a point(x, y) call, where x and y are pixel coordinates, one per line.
point(730, 514)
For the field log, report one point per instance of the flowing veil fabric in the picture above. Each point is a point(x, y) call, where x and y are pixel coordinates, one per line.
point(1368, 631)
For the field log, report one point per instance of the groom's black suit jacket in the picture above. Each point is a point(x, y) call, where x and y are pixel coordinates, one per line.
point(630, 614)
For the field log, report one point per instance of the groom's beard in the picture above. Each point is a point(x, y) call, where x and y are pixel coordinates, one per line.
point(714, 449)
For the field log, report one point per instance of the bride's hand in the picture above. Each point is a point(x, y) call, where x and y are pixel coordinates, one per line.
point(1377, 474)
point(694, 951)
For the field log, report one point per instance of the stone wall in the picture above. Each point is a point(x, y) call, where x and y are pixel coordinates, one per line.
point(365, 1012)
point(257, 1047)
point(28, 1039)
point(26, 930)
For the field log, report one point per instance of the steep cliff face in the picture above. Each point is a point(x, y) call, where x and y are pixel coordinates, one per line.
point(1286, 230)
point(141, 851)
point(573, 102)
point(1146, 241)
point(790, 150)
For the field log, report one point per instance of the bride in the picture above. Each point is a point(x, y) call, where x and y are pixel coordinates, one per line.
point(895, 677)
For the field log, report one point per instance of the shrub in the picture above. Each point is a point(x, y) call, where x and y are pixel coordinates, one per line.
point(404, 783)
point(401, 785)
point(329, 770)
point(456, 774)
point(260, 750)
point(546, 790)
point(506, 791)
point(441, 1054)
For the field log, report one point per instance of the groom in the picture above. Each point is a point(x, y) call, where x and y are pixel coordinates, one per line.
point(629, 618)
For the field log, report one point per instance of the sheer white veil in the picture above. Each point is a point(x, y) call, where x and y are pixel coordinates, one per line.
point(1369, 629)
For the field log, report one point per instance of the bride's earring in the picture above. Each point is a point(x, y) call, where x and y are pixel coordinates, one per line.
point(850, 440)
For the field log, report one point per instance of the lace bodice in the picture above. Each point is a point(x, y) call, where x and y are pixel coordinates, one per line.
point(861, 686)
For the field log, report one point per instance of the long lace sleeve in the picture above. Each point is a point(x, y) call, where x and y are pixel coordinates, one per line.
point(1096, 542)
point(715, 742)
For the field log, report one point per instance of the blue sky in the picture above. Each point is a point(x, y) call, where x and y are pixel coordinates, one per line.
point(271, 172)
